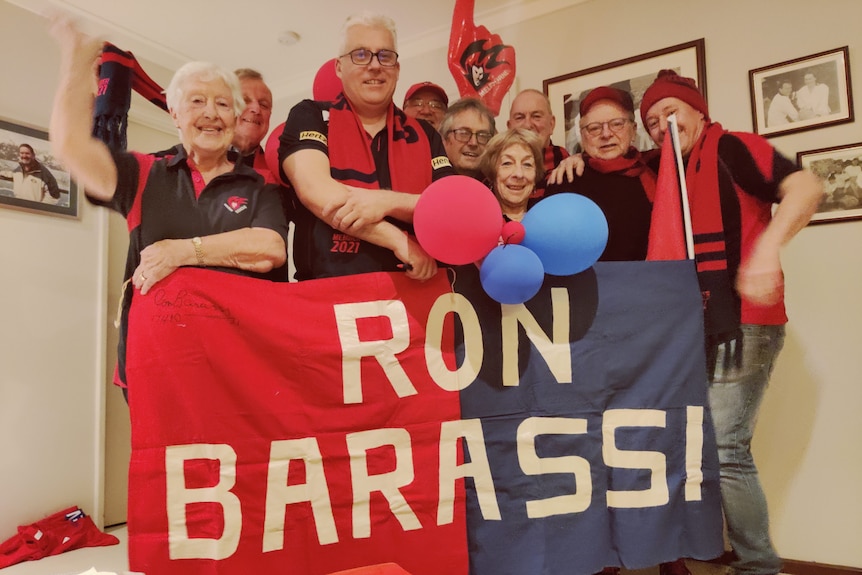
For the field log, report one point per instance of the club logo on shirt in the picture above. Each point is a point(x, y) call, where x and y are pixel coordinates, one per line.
point(236, 204)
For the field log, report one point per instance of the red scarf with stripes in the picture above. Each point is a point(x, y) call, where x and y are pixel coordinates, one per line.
point(350, 156)
point(720, 300)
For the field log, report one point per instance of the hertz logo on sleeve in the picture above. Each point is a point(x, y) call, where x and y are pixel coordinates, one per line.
point(310, 135)
point(440, 162)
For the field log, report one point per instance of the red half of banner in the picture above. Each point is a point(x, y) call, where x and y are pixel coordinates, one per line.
point(319, 459)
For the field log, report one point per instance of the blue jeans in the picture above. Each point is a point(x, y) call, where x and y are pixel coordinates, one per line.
point(735, 394)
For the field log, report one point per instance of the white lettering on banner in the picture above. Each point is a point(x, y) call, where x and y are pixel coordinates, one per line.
point(657, 494)
point(387, 484)
point(384, 351)
point(474, 352)
point(532, 464)
point(279, 495)
point(693, 452)
point(556, 352)
point(178, 496)
point(478, 468)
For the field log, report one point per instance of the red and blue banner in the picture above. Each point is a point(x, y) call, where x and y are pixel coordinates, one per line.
point(327, 425)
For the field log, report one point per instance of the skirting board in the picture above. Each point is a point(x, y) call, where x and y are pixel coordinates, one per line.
point(812, 568)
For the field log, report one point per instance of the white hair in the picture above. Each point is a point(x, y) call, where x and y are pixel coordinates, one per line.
point(370, 19)
point(205, 72)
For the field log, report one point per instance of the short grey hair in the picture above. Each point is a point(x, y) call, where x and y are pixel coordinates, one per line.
point(371, 19)
point(463, 105)
point(248, 74)
point(205, 72)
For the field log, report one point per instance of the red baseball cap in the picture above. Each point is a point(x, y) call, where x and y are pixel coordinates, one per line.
point(620, 97)
point(426, 86)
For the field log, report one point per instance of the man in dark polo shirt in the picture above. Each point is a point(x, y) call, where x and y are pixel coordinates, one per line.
point(358, 164)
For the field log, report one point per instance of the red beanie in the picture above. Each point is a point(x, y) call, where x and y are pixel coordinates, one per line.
point(620, 97)
point(669, 84)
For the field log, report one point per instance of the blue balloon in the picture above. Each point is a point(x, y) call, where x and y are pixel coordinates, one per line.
point(511, 274)
point(567, 231)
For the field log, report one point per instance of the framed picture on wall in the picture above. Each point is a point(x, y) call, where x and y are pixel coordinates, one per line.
point(31, 178)
point(633, 75)
point(840, 168)
point(802, 94)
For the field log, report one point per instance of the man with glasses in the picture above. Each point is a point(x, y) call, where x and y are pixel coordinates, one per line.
point(426, 101)
point(358, 165)
point(615, 176)
point(466, 129)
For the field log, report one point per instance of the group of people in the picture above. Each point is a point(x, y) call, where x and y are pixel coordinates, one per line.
point(809, 101)
point(357, 165)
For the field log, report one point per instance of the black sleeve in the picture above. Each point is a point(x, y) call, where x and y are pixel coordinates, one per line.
point(128, 175)
point(50, 182)
point(755, 166)
point(440, 164)
point(270, 212)
point(305, 129)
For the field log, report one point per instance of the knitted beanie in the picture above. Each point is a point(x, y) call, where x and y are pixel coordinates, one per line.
point(669, 84)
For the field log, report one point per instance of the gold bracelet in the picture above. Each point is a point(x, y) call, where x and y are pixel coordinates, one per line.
point(199, 251)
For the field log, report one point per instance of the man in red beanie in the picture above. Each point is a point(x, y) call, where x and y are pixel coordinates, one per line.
point(615, 175)
point(426, 101)
point(733, 180)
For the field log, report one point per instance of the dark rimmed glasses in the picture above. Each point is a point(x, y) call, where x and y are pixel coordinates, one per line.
point(363, 57)
point(464, 135)
point(595, 128)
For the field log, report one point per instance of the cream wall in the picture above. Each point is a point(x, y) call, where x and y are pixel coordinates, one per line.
point(51, 290)
point(52, 339)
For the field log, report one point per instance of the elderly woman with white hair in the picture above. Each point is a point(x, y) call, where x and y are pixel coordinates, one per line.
point(195, 208)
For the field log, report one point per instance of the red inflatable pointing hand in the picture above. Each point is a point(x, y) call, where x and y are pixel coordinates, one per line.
point(482, 65)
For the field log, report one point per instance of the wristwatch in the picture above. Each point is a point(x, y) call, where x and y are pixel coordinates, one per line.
point(199, 251)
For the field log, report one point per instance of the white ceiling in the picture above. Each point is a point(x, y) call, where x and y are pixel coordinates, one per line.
point(244, 33)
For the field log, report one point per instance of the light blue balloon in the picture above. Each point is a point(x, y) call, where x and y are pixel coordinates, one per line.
point(567, 231)
point(511, 274)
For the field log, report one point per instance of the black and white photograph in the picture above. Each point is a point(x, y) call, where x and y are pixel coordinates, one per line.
point(30, 176)
point(840, 168)
point(633, 75)
point(801, 94)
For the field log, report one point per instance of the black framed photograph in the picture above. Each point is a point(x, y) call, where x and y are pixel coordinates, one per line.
point(840, 168)
point(802, 94)
point(633, 75)
point(31, 178)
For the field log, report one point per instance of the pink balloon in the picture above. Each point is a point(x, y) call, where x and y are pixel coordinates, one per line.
point(513, 232)
point(270, 153)
point(327, 85)
point(457, 220)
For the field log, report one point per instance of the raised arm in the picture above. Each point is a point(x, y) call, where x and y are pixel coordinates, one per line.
point(88, 159)
point(308, 171)
point(759, 279)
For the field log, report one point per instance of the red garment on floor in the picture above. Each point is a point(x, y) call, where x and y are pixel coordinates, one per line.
point(63, 531)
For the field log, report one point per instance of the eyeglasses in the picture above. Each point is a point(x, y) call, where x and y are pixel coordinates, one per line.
point(363, 57)
point(433, 104)
point(464, 135)
point(615, 125)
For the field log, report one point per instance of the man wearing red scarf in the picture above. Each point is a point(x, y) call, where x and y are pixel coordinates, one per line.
point(733, 181)
point(358, 165)
point(615, 175)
